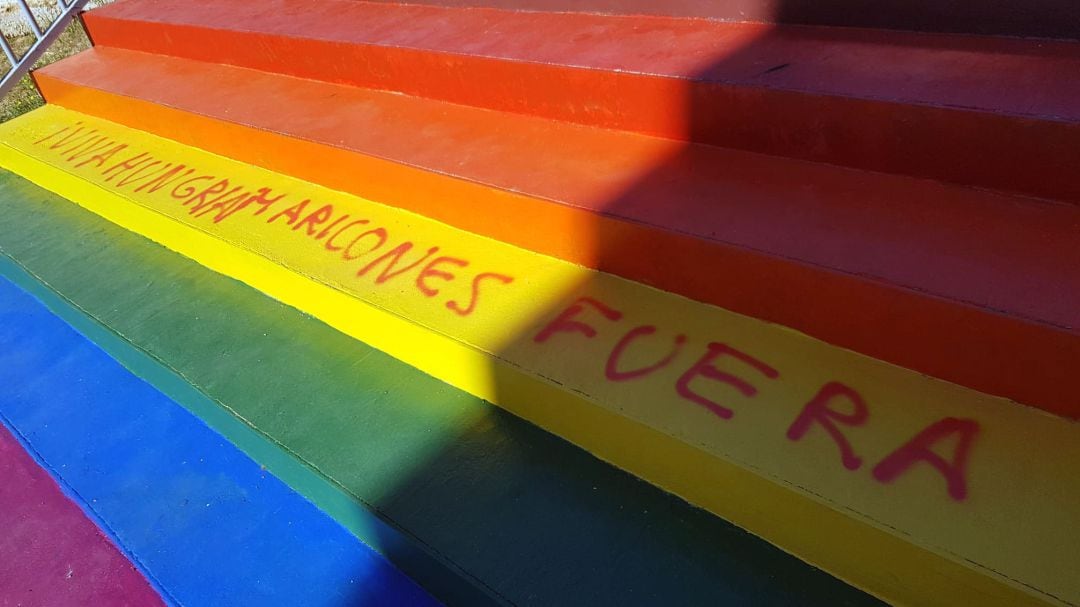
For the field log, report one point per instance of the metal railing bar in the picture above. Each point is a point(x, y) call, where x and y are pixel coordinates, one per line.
point(29, 14)
point(8, 52)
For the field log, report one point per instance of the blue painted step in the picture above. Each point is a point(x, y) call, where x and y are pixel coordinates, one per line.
point(200, 517)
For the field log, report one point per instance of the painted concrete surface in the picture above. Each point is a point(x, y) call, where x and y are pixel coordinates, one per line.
point(205, 521)
point(892, 267)
point(524, 514)
point(51, 554)
point(694, 398)
point(810, 93)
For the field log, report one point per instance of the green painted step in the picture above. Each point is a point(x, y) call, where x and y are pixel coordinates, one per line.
point(474, 503)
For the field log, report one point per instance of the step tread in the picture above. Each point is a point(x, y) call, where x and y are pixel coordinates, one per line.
point(1008, 254)
point(1023, 77)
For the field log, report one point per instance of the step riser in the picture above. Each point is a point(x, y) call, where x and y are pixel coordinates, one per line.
point(963, 344)
point(508, 353)
point(1022, 155)
point(1037, 18)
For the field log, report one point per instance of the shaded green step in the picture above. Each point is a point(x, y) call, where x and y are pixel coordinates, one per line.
point(471, 501)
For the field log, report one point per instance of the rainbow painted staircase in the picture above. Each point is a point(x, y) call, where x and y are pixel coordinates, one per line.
point(412, 297)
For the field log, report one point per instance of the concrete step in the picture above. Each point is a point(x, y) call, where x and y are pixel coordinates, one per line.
point(995, 113)
point(970, 286)
point(479, 506)
point(906, 486)
point(1034, 18)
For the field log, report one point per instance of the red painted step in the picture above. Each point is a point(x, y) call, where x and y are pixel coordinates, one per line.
point(990, 112)
point(1037, 18)
point(971, 286)
point(51, 554)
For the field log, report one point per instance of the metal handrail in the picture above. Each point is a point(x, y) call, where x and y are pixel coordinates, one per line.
point(43, 39)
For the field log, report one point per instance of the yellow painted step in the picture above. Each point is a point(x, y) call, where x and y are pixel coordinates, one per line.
point(914, 489)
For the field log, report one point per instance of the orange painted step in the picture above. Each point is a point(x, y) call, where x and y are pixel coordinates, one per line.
point(998, 113)
point(974, 287)
point(1037, 18)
